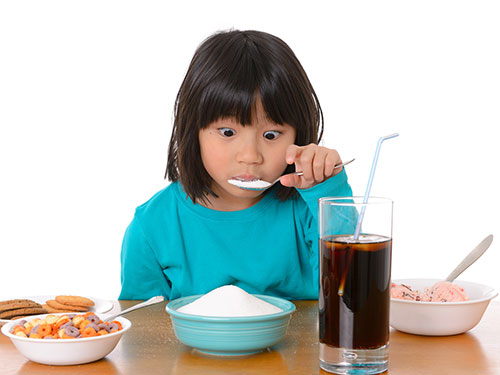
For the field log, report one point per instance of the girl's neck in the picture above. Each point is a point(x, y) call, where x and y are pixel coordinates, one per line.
point(227, 204)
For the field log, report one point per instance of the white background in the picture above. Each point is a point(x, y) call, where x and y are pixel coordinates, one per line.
point(86, 100)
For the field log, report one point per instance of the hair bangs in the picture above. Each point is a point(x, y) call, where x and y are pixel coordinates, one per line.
point(288, 98)
point(279, 107)
point(232, 91)
point(220, 101)
point(230, 98)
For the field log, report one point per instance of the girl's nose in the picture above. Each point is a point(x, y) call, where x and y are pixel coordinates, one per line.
point(249, 152)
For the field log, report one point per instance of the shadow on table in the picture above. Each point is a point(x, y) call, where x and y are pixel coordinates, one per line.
point(193, 362)
point(103, 366)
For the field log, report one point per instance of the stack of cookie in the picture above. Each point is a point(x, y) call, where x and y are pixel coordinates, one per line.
point(16, 308)
point(68, 304)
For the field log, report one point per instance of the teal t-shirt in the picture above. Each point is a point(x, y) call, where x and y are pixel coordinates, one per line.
point(176, 248)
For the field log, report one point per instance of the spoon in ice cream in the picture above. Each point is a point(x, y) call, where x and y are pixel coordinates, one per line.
point(474, 255)
point(259, 185)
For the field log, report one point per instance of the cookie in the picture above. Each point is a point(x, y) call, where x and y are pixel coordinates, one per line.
point(18, 304)
point(14, 301)
point(52, 310)
point(23, 311)
point(75, 301)
point(60, 306)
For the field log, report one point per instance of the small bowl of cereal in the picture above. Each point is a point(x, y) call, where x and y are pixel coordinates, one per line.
point(65, 339)
point(434, 307)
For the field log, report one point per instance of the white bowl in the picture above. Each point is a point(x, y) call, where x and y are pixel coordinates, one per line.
point(65, 351)
point(440, 318)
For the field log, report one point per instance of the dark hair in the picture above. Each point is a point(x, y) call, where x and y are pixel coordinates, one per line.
point(229, 70)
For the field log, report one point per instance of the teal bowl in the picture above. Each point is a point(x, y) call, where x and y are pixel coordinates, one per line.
point(227, 335)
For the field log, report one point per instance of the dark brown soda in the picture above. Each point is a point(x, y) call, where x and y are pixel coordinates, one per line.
point(358, 316)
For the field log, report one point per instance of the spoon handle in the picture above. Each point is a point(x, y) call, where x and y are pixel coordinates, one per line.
point(150, 301)
point(471, 258)
point(300, 173)
point(343, 164)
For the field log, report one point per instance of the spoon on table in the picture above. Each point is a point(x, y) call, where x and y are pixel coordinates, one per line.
point(259, 185)
point(474, 255)
point(149, 302)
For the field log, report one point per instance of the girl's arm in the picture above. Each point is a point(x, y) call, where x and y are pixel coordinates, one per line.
point(141, 275)
point(336, 186)
point(307, 212)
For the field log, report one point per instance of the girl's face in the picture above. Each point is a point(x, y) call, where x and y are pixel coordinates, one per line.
point(256, 151)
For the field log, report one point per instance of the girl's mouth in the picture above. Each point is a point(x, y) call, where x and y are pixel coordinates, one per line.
point(246, 177)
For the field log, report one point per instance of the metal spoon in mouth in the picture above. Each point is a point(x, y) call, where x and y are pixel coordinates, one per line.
point(259, 185)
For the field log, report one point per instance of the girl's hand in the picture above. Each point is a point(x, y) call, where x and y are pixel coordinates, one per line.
point(315, 161)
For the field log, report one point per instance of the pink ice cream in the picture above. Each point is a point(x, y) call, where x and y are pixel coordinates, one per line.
point(442, 291)
point(404, 292)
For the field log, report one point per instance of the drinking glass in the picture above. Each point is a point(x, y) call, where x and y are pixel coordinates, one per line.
point(355, 283)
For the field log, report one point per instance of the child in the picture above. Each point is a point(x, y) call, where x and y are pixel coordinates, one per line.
point(245, 110)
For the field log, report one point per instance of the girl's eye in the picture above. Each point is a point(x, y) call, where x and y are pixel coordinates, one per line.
point(227, 132)
point(272, 134)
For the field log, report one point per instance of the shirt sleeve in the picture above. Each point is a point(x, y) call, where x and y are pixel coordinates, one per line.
point(336, 186)
point(141, 275)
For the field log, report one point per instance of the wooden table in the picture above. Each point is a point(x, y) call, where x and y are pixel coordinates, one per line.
point(150, 347)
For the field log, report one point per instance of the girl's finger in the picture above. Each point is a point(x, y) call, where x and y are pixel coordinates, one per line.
point(318, 164)
point(332, 159)
point(304, 163)
point(292, 152)
point(291, 180)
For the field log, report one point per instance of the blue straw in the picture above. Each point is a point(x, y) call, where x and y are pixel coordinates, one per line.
point(370, 181)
